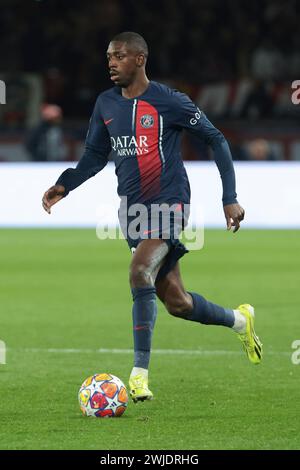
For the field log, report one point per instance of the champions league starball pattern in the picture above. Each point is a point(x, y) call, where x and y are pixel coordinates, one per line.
point(102, 396)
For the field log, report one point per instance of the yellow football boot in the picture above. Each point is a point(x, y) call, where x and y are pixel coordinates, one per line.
point(251, 342)
point(138, 388)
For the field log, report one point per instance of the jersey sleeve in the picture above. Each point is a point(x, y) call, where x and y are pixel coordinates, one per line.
point(95, 156)
point(187, 115)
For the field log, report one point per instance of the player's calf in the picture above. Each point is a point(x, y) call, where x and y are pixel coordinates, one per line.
point(179, 306)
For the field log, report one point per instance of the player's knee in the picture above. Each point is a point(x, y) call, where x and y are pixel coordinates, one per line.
point(178, 306)
point(140, 276)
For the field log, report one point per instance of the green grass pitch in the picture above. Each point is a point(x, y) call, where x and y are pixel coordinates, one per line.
point(65, 289)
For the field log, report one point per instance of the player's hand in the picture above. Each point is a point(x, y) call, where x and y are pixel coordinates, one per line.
point(234, 214)
point(52, 196)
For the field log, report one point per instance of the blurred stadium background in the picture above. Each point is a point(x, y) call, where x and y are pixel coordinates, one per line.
point(236, 60)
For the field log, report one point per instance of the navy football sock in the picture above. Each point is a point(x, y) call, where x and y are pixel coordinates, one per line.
point(208, 313)
point(144, 313)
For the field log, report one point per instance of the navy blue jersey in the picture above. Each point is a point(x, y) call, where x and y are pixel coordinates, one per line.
point(143, 135)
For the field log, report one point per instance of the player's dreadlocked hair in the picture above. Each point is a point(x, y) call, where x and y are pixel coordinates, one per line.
point(135, 40)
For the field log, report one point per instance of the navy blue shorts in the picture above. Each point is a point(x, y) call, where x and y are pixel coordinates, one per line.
point(165, 224)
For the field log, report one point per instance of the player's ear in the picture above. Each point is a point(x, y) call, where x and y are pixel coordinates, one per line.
point(140, 60)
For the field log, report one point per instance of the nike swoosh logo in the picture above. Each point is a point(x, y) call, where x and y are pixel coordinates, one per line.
point(145, 232)
point(108, 121)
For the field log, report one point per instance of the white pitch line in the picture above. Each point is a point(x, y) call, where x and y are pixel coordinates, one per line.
point(180, 352)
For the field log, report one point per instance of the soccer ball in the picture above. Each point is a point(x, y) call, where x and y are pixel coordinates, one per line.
point(103, 395)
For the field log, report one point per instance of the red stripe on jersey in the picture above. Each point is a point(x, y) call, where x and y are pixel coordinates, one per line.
point(147, 137)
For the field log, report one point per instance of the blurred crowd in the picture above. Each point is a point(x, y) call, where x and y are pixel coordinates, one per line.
point(195, 41)
point(192, 43)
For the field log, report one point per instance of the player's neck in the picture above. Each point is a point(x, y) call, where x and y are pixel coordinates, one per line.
point(137, 88)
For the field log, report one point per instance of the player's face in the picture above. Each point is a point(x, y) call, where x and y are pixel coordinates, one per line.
point(123, 63)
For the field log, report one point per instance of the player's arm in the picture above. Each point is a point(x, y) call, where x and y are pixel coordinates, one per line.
point(94, 159)
point(195, 121)
point(234, 213)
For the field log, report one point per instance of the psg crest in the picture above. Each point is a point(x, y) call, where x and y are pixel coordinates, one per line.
point(147, 120)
